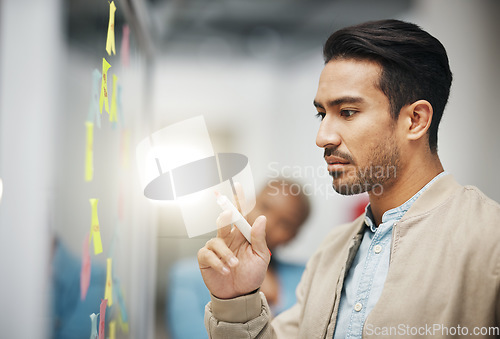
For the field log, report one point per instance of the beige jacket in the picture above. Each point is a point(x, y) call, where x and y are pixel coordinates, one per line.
point(443, 279)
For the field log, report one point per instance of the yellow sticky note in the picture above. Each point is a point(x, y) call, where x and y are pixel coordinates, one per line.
point(89, 158)
point(94, 227)
point(104, 86)
point(110, 41)
point(123, 325)
point(112, 112)
point(108, 291)
point(112, 329)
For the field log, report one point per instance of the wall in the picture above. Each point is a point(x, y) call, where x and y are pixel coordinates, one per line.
point(468, 137)
point(30, 84)
point(45, 94)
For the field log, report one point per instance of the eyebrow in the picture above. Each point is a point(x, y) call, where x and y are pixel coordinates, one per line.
point(339, 101)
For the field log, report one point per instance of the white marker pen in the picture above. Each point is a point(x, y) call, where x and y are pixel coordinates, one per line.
point(236, 217)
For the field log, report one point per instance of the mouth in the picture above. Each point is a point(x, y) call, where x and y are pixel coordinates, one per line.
point(335, 164)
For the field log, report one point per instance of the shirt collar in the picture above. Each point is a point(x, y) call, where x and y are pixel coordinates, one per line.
point(397, 213)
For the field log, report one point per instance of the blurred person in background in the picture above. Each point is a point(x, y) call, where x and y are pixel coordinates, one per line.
point(71, 315)
point(286, 207)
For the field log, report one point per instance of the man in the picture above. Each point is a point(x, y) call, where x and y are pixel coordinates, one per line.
point(424, 258)
point(286, 210)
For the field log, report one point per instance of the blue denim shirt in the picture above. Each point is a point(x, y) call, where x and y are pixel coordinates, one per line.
point(365, 280)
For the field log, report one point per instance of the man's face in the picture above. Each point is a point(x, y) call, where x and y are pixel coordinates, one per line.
point(357, 131)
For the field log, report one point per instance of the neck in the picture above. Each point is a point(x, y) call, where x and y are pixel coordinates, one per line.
point(404, 186)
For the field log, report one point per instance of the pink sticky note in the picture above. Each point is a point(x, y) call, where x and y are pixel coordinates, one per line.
point(85, 272)
point(125, 46)
point(102, 318)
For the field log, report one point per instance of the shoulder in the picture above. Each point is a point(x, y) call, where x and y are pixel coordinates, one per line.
point(473, 207)
point(486, 204)
point(480, 214)
point(475, 226)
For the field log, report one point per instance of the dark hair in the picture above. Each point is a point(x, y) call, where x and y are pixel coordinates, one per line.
point(414, 63)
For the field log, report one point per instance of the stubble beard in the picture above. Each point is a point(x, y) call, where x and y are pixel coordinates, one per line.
point(380, 172)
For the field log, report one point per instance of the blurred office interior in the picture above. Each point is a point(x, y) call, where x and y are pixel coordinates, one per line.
point(250, 67)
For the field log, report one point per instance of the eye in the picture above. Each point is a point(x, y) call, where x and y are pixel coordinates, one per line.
point(347, 112)
point(320, 115)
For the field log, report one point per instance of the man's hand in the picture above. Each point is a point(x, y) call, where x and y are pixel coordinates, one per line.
point(231, 266)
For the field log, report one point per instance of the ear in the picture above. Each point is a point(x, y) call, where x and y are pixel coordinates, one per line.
point(417, 117)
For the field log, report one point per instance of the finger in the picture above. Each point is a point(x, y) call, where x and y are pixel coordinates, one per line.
point(224, 224)
point(225, 229)
point(208, 259)
point(219, 247)
point(240, 198)
point(259, 243)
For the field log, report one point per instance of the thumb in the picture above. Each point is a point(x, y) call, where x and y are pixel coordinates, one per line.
point(258, 233)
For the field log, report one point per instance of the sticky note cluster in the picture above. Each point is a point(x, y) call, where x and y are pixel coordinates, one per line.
point(101, 98)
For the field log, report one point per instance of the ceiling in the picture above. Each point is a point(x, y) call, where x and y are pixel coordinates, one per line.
point(162, 26)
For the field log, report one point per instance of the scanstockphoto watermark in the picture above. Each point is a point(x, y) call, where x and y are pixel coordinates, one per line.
point(318, 178)
point(438, 330)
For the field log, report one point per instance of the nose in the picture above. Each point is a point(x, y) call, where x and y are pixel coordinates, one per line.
point(328, 134)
